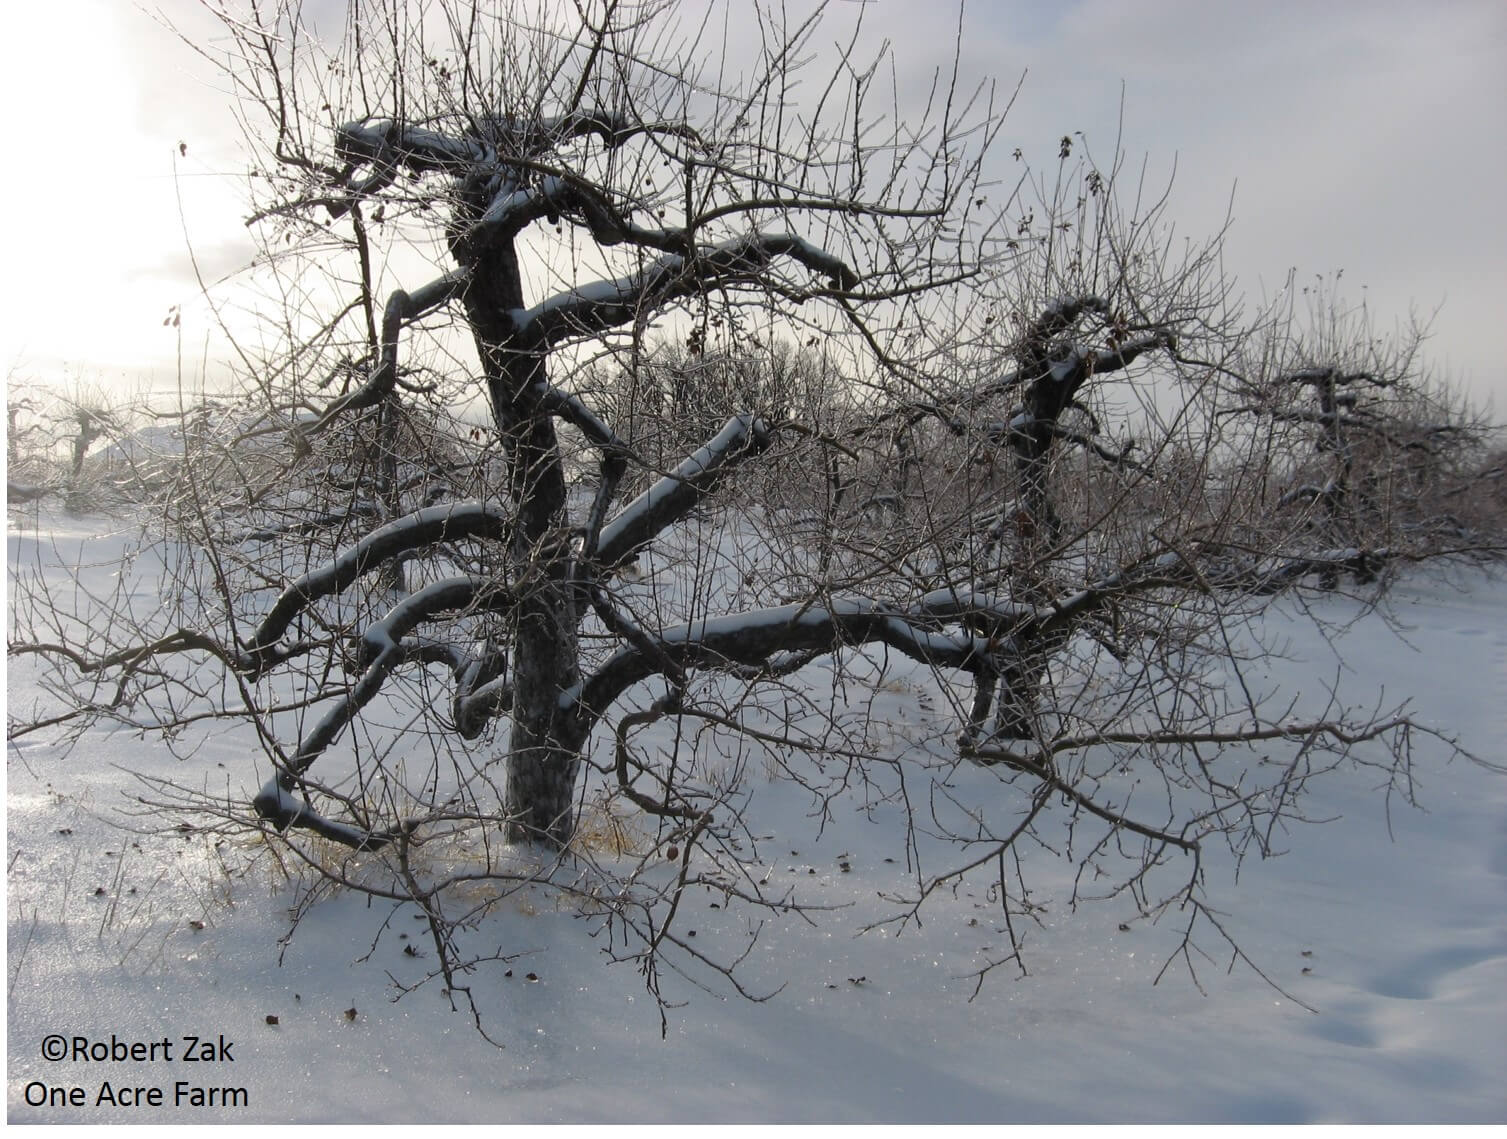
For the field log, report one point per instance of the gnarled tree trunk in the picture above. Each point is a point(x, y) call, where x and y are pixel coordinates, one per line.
point(543, 752)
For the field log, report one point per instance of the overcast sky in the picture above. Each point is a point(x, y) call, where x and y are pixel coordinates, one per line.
point(1364, 137)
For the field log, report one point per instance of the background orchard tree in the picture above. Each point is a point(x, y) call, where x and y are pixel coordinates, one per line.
point(1007, 447)
point(1381, 456)
point(48, 439)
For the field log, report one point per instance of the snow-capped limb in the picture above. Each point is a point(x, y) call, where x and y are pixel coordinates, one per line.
point(1056, 318)
point(475, 704)
point(603, 305)
point(998, 639)
point(1061, 314)
point(676, 495)
point(1059, 378)
point(754, 252)
point(999, 432)
point(1042, 357)
point(388, 146)
point(497, 141)
point(755, 638)
point(551, 195)
point(968, 630)
point(612, 127)
point(614, 462)
point(283, 810)
point(991, 614)
point(346, 707)
point(443, 523)
point(1125, 354)
point(451, 594)
point(492, 140)
point(575, 412)
point(648, 644)
point(382, 649)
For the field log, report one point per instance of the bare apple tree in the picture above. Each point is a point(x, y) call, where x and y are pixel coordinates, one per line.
point(1032, 477)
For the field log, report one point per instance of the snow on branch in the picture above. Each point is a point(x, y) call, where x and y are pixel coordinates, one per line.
point(967, 630)
point(614, 462)
point(452, 594)
point(602, 305)
point(553, 194)
point(478, 700)
point(575, 412)
point(674, 496)
point(445, 523)
point(277, 804)
point(754, 637)
point(1123, 355)
point(986, 627)
point(499, 141)
point(382, 649)
point(613, 128)
point(387, 146)
point(1059, 316)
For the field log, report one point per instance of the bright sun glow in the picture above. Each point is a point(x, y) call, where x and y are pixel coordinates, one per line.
point(96, 242)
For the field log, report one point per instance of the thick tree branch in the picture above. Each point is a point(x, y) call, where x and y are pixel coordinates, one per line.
point(676, 495)
point(603, 305)
point(445, 523)
point(381, 650)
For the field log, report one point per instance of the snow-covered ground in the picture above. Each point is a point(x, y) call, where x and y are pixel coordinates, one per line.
point(1398, 941)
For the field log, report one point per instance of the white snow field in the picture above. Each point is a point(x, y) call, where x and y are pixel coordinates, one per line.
point(121, 937)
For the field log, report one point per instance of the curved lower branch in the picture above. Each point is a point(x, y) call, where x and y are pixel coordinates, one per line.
point(427, 527)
